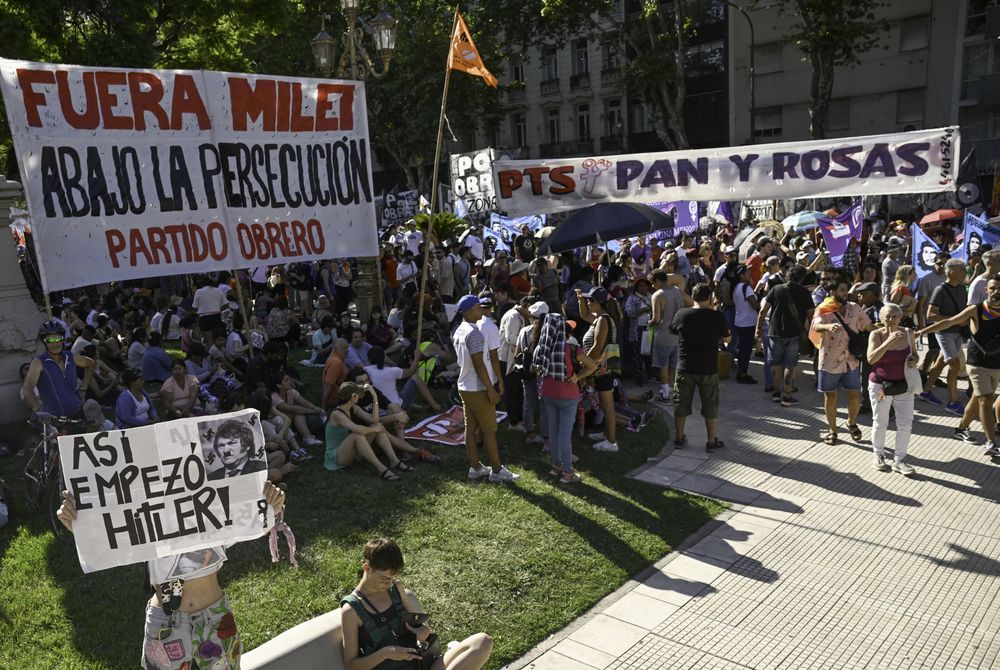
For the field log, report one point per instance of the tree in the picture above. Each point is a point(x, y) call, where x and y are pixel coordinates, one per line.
point(831, 33)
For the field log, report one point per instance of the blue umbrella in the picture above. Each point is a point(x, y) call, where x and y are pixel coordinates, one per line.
point(604, 222)
point(803, 220)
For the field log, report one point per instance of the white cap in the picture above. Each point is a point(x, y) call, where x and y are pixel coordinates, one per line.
point(538, 309)
point(729, 250)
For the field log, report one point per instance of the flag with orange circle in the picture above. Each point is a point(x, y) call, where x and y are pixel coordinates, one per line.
point(464, 56)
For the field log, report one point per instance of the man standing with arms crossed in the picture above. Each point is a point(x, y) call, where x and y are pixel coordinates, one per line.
point(479, 398)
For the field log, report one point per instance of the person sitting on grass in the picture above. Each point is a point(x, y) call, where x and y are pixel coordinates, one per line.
point(346, 440)
point(375, 634)
point(189, 612)
point(133, 407)
point(289, 401)
point(277, 427)
point(392, 416)
point(155, 360)
point(179, 392)
point(99, 381)
point(384, 379)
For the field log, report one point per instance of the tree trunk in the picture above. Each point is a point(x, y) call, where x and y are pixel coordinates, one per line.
point(820, 90)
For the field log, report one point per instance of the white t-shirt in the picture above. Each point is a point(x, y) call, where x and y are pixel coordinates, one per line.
point(475, 246)
point(173, 330)
point(208, 300)
point(413, 240)
point(510, 325)
point(189, 565)
point(468, 340)
point(746, 315)
point(233, 343)
point(135, 352)
point(385, 381)
point(405, 272)
point(491, 335)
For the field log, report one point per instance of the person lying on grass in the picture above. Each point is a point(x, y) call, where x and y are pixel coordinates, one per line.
point(189, 622)
point(376, 634)
point(346, 440)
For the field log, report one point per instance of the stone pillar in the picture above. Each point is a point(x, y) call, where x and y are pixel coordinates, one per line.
point(19, 315)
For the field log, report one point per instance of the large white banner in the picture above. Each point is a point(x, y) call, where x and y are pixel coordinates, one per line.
point(135, 173)
point(923, 161)
point(166, 489)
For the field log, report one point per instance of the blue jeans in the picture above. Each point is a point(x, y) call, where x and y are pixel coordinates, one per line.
point(561, 419)
point(530, 402)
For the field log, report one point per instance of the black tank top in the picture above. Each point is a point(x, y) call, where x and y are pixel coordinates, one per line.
point(984, 346)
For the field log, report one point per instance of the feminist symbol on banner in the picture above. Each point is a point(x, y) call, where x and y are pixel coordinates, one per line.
point(262, 510)
point(592, 169)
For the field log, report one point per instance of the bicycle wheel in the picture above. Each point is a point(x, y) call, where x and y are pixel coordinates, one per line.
point(54, 502)
point(34, 476)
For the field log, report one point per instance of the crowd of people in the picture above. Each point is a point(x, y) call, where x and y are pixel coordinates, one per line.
point(552, 339)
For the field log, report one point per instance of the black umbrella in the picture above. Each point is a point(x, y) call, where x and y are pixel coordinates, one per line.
point(604, 222)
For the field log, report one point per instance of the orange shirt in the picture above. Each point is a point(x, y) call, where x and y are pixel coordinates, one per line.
point(389, 270)
point(334, 374)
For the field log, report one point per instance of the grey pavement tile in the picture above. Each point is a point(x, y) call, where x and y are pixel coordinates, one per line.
point(553, 660)
point(608, 634)
point(589, 656)
point(699, 484)
point(641, 610)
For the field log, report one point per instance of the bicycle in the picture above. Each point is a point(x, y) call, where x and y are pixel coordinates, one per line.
point(43, 478)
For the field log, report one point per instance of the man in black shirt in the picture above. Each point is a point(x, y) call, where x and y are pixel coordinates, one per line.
point(525, 245)
point(947, 300)
point(790, 307)
point(700, 328)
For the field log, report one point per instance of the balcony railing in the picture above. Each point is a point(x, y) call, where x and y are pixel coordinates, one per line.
point(579, 81)
point(516, 94)
point(550, 87)
point(551, 150)
point(612, 143)
point(582, 147)
point(610, 76)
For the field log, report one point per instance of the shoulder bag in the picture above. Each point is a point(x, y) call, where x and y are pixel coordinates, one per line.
point(914, 384)
point(857, 343)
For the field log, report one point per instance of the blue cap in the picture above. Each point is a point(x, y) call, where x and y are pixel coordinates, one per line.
point(467, 302)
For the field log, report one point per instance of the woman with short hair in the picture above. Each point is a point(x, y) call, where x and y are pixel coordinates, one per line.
point(891, 349)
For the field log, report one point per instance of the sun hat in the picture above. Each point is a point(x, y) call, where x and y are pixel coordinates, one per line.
point(539, 308)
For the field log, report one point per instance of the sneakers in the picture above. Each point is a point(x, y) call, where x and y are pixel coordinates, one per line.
point(604, 445)
point(903, 468)
point(300, 456)
point(880, 464)
point(789, 401)
point(427, 457)
point(596, 437)
point(502, 477)
point(570, 478)
point(715, 446)
point(480, 472)
point(665, 399)
point(992, 450)
point(680, 442)
point(965, 435)
point(955, 408)
point(775, 397)
point(930, 397)
point(312, 441)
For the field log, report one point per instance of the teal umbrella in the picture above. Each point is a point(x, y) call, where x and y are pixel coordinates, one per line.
point(806, 220)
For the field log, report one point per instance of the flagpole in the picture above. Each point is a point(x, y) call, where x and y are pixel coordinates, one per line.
point(434, 189)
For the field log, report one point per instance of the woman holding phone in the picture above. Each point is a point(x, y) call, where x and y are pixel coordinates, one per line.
point(378, 619)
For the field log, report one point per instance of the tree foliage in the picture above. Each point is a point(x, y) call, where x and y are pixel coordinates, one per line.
point(831, 33)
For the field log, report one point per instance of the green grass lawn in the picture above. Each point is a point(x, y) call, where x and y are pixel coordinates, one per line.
point(519, 561)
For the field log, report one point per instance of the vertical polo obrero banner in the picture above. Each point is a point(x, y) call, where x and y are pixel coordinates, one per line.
point(472, 181)
point(135, 173)
point(922, 161)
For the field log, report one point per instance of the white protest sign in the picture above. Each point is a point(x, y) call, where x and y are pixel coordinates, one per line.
point(136, 173)
point(165, 489)
point(472, 180)
point(922, 161)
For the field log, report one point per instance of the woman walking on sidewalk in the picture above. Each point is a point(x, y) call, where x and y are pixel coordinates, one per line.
point(891, 350)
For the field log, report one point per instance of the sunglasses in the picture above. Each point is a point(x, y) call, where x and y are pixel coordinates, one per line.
point(53, 339)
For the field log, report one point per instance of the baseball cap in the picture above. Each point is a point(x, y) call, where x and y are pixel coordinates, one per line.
point(597, 293)
point(486, 299)
point(467, 302)
point(868, 286)
point(538, 309)
point(730, 249)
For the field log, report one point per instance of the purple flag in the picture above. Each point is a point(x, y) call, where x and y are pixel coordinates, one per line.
point(838, 232)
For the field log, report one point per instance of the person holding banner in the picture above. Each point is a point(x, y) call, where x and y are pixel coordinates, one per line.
point(189, 621)
point(983, 320)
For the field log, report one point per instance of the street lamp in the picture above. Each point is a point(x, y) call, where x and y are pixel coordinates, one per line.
point(356, 64)
point(753, 102)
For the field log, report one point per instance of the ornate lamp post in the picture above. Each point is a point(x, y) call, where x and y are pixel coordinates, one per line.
point(355, 63)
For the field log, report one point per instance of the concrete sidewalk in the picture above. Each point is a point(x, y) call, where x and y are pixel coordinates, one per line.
point(822, 561)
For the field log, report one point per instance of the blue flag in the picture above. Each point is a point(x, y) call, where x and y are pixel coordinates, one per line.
point(924, 251)
point(976, 233)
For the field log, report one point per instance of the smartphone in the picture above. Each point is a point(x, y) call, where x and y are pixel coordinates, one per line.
point(415, 619)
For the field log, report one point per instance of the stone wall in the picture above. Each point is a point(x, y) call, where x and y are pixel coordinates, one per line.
point(19, 315)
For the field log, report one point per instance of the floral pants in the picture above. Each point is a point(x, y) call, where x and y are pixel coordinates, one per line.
point(203, 640)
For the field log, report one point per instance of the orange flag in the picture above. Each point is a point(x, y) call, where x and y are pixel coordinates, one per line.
point(464, 56)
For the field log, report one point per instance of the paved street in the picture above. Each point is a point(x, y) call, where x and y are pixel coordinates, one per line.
point(822, 561)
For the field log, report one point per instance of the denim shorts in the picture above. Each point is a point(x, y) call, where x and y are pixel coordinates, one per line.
point(664, 357)
point(831, 381)
point(951, 345)
point(784, 351)
point(205, 639)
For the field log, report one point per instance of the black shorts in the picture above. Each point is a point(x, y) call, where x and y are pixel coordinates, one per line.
point(605, 382)
point(209, 323)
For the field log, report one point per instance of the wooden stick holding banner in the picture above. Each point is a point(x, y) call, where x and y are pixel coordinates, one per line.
point(434, 192)
point(243, 306)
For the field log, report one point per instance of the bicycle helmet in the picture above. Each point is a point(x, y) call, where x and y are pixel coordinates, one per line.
point(50, 328)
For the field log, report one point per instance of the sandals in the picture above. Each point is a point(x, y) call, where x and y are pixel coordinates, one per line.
point(830, 438)
point(403, 467)
point(855, 431)
point(389, 476)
